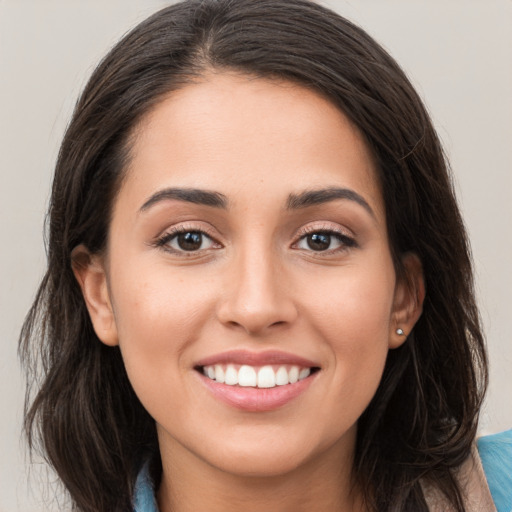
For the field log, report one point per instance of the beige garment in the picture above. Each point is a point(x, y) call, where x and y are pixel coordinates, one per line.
point(477, 497)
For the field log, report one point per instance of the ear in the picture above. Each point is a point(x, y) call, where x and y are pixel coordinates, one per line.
point(408, 300)
point(89, 270)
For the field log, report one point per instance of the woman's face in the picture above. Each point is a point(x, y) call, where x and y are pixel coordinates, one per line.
point(248, 242)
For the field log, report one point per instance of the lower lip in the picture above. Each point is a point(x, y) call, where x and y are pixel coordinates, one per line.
point(257, 399)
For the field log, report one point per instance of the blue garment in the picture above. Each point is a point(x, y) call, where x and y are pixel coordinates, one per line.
point(496, 455)
point(495, 452)
point(144, 496)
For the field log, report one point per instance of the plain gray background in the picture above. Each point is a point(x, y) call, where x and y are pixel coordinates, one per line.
point(458, 53)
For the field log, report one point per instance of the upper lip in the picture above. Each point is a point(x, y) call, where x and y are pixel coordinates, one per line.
point(268, 357)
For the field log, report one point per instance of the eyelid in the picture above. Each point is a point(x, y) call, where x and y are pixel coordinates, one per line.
point(326, 227)
point(191, 225)
point(168, 234)
point(347, 237)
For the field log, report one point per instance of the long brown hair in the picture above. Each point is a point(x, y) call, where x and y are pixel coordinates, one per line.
point(85, 416)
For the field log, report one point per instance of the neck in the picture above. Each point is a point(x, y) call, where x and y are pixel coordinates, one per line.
point(323, 483)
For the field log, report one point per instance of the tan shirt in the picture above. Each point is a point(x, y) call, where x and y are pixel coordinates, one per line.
point(477, 497)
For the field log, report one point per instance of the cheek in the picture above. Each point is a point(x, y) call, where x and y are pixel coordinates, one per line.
point(160, 308)
point(354, 303)
point(158, 316)
point(351, 315)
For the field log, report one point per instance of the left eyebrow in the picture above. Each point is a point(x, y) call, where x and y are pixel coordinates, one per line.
point(188, 195)
point(325, 195)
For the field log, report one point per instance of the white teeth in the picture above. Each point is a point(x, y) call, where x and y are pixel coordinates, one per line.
point(231, 375)
point(304, 373)
point(293, 375)
point(219, 373)
point(282, 376)
point(246, 376)
point(264, 377)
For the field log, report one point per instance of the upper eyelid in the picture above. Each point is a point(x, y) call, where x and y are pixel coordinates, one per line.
point(185, 227)
point(348, 237)
point(324, 227)
point(163, 241)
point(216, 235)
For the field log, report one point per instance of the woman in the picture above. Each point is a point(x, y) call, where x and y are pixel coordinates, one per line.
point(258, 278)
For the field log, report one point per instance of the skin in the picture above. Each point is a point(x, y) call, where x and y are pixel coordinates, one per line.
point(255, 284)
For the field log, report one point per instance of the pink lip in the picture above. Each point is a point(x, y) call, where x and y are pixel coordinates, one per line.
point(255, 399)
point(267, 357)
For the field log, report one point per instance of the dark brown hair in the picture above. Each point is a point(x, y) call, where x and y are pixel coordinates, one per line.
point(421, 422)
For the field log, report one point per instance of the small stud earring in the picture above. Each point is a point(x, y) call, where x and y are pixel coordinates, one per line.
point(400, 332)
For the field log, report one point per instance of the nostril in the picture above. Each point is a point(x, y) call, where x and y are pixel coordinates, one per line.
point(255, 306)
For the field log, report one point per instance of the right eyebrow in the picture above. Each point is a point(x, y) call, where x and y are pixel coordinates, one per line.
point(325, 195)
point(189, 195)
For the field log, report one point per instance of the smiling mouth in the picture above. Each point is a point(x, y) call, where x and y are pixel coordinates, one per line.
point(263, 377)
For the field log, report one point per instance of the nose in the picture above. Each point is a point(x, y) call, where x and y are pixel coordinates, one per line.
point(256, 296)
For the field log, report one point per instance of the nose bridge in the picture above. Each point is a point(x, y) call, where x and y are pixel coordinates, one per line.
point(256, 297)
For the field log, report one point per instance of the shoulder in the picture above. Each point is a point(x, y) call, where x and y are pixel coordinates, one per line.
point(496, 455)
point(144, 494)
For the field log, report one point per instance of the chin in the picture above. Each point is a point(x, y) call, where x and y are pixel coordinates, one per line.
point(266, 457)
point(261, 465)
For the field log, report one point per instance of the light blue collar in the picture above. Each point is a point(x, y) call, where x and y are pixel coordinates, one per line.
point(495, 452)
point(144, 495)
point(496, 455)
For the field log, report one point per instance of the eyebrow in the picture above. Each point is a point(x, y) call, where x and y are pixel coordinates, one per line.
point(189, 195)
point(325, 195)
point(294, 202)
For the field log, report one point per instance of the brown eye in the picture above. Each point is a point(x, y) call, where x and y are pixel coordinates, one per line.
point(186, 241)
point(190, 241)
point(319, 241)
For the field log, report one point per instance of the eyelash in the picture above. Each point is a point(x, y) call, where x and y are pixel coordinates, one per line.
point(346, 241)
point(163, 241)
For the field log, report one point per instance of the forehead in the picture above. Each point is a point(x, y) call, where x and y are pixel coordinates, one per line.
point(244, 135)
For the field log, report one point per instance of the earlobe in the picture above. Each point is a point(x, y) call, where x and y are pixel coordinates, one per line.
point(408, 300)
point(89, 270)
